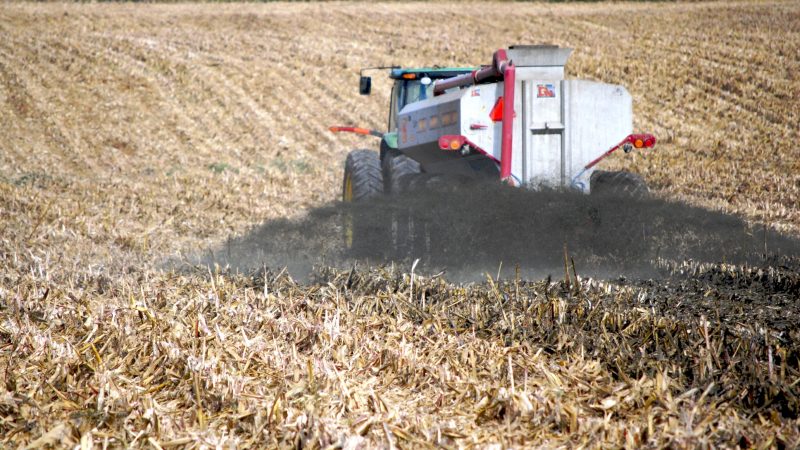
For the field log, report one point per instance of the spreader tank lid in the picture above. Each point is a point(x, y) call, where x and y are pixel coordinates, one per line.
point(539, 61)
point(538, 55)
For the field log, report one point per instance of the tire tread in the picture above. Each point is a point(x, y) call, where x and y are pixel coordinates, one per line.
point(364, 167)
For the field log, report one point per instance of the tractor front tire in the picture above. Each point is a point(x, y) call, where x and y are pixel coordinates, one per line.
point(618, 183)
point(363, 180)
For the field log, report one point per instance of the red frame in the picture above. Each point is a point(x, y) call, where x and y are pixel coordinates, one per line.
point(648, 141)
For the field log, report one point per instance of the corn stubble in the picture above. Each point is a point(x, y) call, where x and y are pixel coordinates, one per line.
point(135, 133)
point(363, 358)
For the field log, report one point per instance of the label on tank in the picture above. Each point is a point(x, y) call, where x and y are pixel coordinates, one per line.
point(545, 90)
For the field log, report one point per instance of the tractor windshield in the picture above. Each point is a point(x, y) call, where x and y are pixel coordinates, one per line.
point(415, 91)
point(405, 92)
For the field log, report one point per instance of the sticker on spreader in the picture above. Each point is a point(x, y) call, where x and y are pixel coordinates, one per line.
point(545, 90)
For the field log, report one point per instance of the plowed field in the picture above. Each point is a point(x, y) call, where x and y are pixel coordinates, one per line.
point(133, 137)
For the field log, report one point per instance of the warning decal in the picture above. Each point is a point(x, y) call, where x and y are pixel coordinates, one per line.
point(545, 90)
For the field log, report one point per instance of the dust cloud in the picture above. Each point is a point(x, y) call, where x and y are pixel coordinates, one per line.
point(487, 228)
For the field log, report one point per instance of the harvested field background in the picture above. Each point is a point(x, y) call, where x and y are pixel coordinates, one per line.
point(135, 140)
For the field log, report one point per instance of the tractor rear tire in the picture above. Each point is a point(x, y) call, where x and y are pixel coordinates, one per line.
point(396, 167)
point(618, 183)
point(363, 180)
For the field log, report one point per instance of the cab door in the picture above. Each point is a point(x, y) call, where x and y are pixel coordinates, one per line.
point(394, 106)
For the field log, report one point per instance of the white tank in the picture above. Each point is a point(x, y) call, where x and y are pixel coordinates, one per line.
point(560, 125)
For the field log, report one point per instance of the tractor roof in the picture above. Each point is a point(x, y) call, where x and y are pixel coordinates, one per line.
point(431, 72)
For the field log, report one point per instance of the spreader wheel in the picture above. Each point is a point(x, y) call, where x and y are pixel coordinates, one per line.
point(618, 183)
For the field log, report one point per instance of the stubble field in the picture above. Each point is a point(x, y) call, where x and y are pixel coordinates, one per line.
point(134, 138)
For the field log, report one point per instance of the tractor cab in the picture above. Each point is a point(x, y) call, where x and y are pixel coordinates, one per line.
point(413, 85)
point(410, 85)
point(517, 119)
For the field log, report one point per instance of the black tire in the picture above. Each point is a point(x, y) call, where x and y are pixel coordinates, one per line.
point(618, 183)
point(396, 167)
point(363, 178)
point(362, 181)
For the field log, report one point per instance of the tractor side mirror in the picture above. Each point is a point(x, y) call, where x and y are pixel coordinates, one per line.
point(365, 85)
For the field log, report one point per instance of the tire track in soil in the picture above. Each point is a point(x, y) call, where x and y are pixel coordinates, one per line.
point(182, 103)
point(328, 100)
point(52, 130)
point(89, 142)
point(241, 100)
point(216, 116)
point(745, 101)
point(277, 108)
point(254, 103)
point(245, 98)
point(188, 130)
point(125, 68)
point(214, 81)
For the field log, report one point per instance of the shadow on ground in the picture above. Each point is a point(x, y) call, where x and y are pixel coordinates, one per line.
point(470, 232)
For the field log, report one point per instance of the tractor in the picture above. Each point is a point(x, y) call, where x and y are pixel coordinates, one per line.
point(516, 120)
